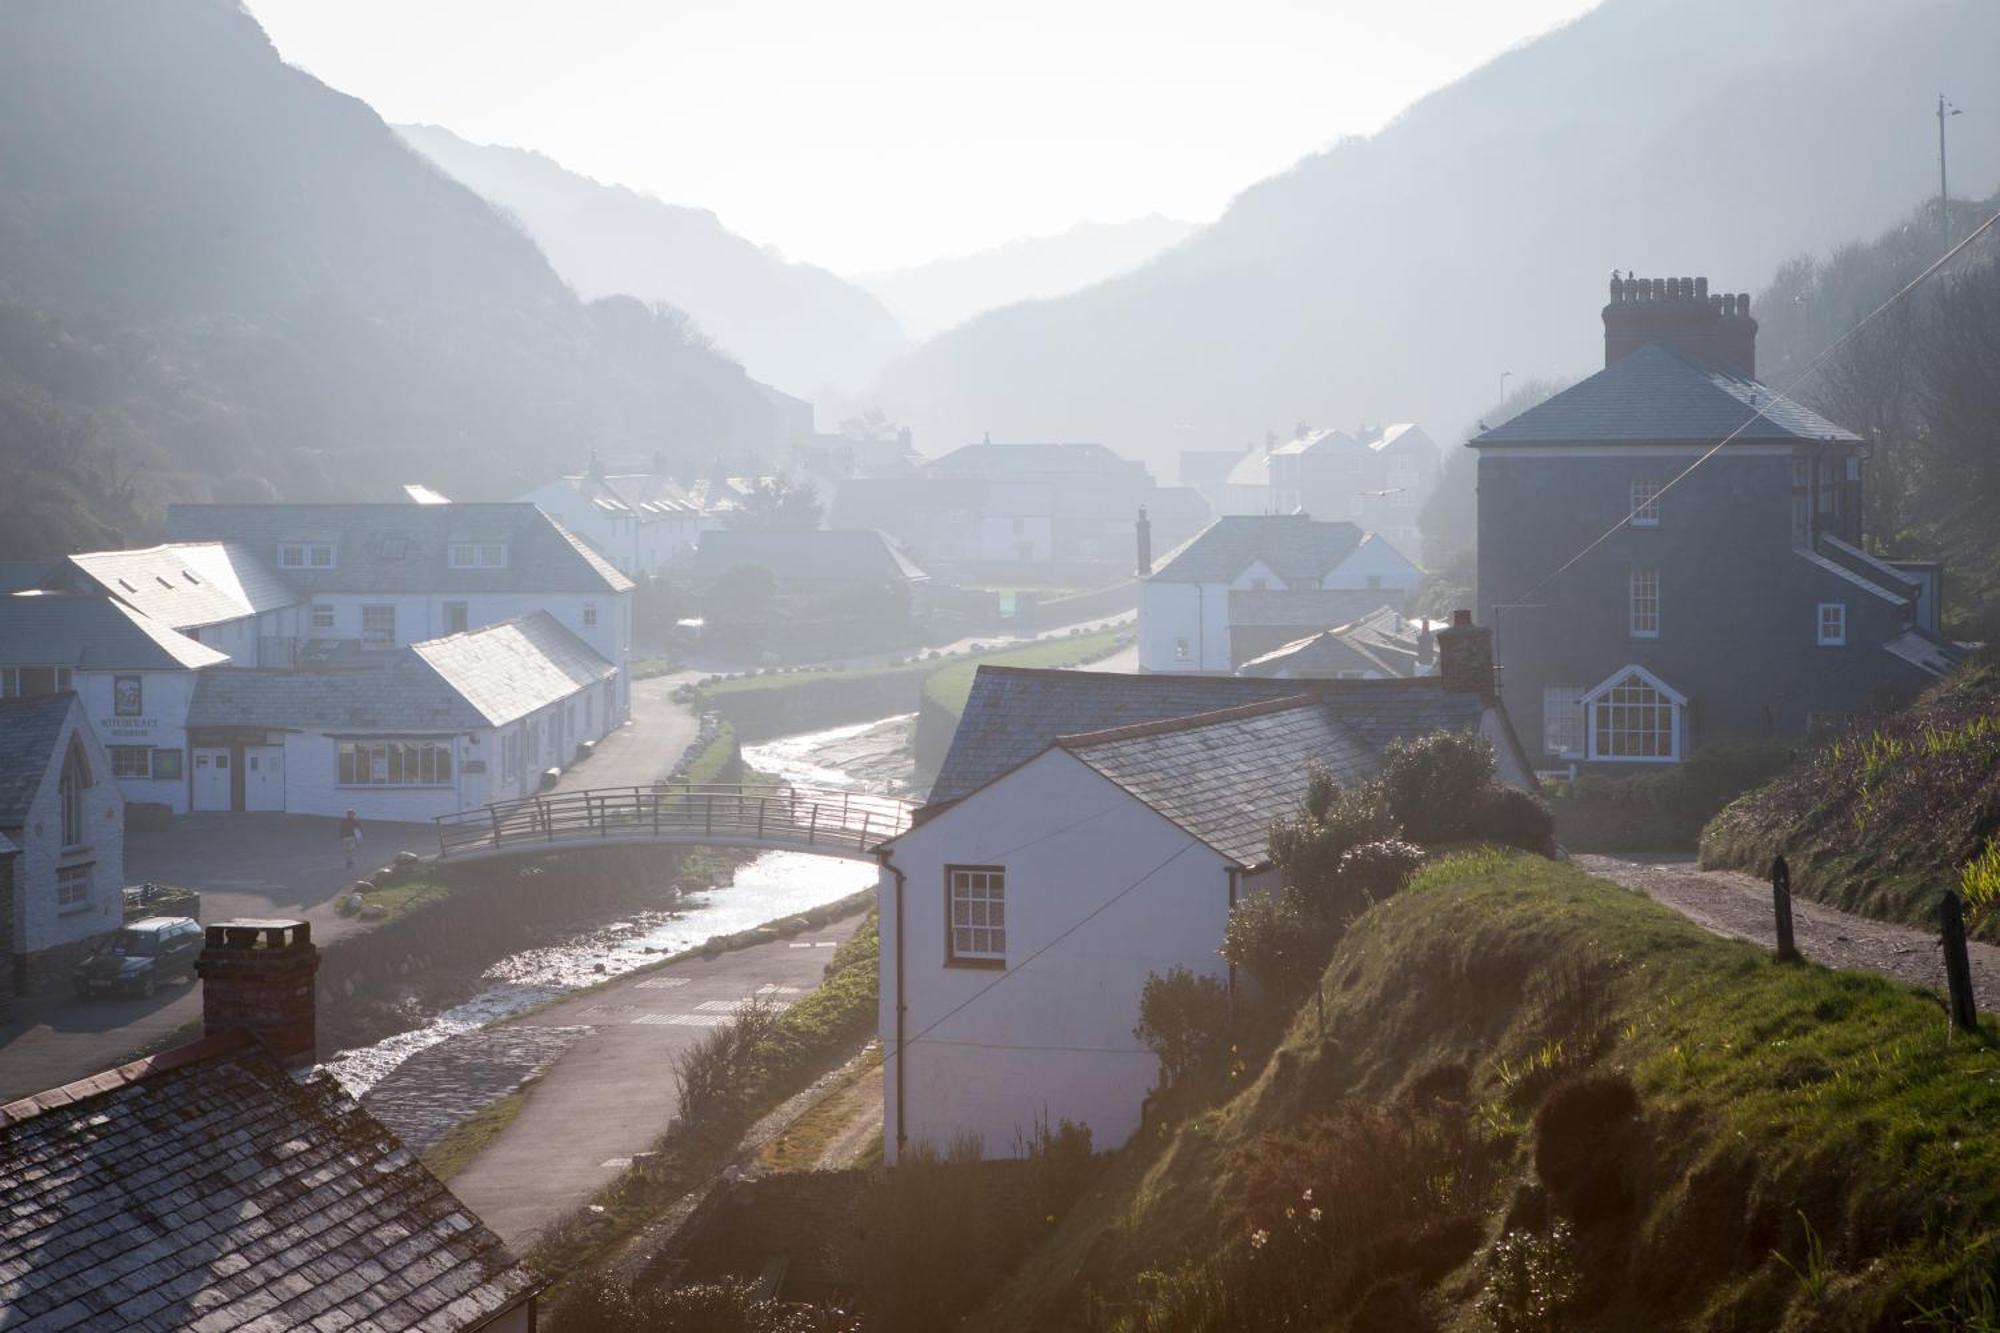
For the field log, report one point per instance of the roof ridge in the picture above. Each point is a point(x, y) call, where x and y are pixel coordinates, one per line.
point(120, 1076)
point(1191, 722)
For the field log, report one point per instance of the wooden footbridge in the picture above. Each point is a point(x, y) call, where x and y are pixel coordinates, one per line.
point(825, 821)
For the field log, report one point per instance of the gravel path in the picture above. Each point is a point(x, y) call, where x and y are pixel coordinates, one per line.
point(1732, 903)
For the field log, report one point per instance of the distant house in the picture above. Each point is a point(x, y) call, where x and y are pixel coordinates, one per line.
point(62, 810)
point(1085, 831)
point(1382, 645)
point(1375, 476)
point(221, 594)
point(642, 522)
point(133, 676)
point(215, 1186)
point(440, 726)
point(1637, 622)
point(1250, 584)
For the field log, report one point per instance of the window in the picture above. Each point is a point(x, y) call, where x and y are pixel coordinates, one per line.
point(378, 626)
point(1562, 720)
point(1645, 504)
point(72, 888)
point(32, 682)
point(131, 761)
point(322, 616)
point(1258, 585)
point(395, 763)
point(72, 786)
point(590, 615)
point(1832, 624)
point(166, 765)
point(456, 617)
point(978, 914)
point(478, 555)
point(1183, 650)
point(1633, 718)
point(1374, 582)
point(305, 555)
point(1645, 604)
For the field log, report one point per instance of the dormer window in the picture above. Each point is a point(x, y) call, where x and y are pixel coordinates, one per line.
point(305, 555)
point(478, 555)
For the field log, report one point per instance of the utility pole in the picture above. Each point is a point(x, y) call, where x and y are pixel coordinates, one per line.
point(1945, 108)
point(1505, 375)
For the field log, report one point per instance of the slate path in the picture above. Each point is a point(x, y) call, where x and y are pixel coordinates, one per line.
point(1732, 903)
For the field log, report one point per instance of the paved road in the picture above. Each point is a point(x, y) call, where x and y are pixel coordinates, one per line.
point(1731, 903)
point(611, 1093)
point(645, 749)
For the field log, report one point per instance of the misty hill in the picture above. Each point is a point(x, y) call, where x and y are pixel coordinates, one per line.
point(944, 293)
point(1396, 277)
point(220, 278)
point(795, 325)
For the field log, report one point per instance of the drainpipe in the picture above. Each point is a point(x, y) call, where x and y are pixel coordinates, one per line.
point(1234, 875)
point(882, 854)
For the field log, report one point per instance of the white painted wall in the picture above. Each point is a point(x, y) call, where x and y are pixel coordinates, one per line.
point(1170, 612)
point(38, 923)
point(637, 545)
point(161, 724)
point(1070, 842)
point(1375, 558)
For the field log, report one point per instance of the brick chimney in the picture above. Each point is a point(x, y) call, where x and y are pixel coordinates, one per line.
point(1145, 532)
point(1465, 658)
point(1715, 330)
point(257, 975)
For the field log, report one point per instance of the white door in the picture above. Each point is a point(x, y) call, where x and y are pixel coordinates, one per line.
point(211, 779)
point(264, 778)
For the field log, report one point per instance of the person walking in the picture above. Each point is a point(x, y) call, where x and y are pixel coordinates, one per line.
point(350, 834)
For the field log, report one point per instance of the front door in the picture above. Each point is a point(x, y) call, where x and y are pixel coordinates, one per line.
point(211, 778)
point(264, 777)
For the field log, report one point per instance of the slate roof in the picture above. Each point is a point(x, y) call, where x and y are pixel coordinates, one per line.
point(188, 585)
point(1027, 459)
point(1014, 713)
point(1657, 396)
point(1379, 641)
point(27, 575)
point(1307, 608)
point(465, 682)
point(93, 634)
point(205, 1189)
point(858, 553)
point(1223, 776)
point(1294, 546)
point(391, 548)
point(29, 729)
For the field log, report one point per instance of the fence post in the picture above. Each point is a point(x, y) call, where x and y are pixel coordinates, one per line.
point(762, 803)
point(861, 838)
point(1781, 903)
point(494, 810)
point(812, 829)
point(542, 812)
point(656, 812)
point(708, 815)
point(1957, 966)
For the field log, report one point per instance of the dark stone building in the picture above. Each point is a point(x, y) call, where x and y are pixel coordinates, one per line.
point(1734, 601)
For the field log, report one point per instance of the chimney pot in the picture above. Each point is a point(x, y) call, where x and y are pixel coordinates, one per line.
point(257, 975)
point(1144, 531)
point(1465, 658)
point(1701, 289)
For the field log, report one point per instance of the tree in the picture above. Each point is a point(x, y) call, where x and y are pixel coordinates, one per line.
point(775, 504)
point(739, 602)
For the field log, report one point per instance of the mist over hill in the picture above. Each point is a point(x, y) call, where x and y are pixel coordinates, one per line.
point(221, 278)
point(944, 293)
point(1397, 276)
point(794, 325)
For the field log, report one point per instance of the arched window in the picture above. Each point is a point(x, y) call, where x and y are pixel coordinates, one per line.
point(1635, 717)
point(71, 787)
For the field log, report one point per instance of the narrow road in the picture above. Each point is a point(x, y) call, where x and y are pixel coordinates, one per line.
point(611, 1092)
point(646, 748)
point(1732, 903)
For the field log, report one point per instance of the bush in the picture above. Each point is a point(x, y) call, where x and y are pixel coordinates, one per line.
point(1309, 844)
point(1183, 1019)
point(1580, 1132)
point(1433, 785)
point(596, 1303)
point(1376, 870)
point(716, 1073)
point(1516, 818)
point(1530, 1279)
point(1271, 937)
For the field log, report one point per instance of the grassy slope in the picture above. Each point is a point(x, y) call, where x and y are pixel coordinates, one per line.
point(1764, 1090)
point(1881, 820)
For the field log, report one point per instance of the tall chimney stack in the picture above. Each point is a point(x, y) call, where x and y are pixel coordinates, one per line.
point(257, 975)
point(1712, 328)
point(1145, 533)
point(1465, 658)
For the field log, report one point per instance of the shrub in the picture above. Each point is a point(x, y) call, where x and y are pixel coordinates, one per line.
point(1516, 818)
point(1307, 846)
point(1376, 870)
point(1979, 884)
point(1529, 1280)
point(1580, 1133)
point(1271, 937)
point(716, 1073)
point(597, 1303)
point(1433, 784)
point(1183, 1019)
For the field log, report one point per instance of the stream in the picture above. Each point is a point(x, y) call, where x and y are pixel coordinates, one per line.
point(868, 756)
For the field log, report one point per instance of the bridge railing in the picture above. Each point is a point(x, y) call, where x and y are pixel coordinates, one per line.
point(839, 822)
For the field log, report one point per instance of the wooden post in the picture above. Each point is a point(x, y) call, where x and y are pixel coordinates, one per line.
point(812, 830)
point(1781, 903)
point(1957, 966)
point(494, 810)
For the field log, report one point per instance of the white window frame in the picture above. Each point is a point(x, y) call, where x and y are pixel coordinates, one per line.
point(1830, 624)
point(73, 887)
point(1596, 699)
point(73, 784)
point(590, 615)
point(323, 615)
point(131, 756)
point(976, 936)
point(1642, 603)
point(1563, 729)
point(378, 639)
point(478, 555)
point(1645, 508)
point(10, 680)
point(389, 762)
point(305, 555)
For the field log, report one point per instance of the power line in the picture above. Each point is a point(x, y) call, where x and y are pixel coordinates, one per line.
point(1762, 409)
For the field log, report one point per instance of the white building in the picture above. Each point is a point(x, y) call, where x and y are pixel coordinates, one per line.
point(1250, 584)
point(133, 676)
point(1086, 830)
point(60, 806)
point(642, 522)
point(1377, 477)
point(1382, 645)
point(441, 726)
point(217, 593)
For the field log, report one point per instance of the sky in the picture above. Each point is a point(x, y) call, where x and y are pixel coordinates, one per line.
point(873, 134)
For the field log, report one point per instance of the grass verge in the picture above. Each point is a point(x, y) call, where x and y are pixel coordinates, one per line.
point(951, 686)
point(469, 1137)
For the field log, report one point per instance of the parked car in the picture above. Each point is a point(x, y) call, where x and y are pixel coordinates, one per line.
point(141, 956)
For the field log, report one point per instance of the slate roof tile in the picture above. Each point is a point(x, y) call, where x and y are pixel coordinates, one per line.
point(186, 585)
point(29, 729)
point(1293, 546)
point(831, 553)
point(92, 633)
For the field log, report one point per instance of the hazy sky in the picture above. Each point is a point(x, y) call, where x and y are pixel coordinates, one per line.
point(864, 134)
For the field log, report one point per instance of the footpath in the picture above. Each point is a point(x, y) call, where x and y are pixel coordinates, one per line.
point(1732, 903)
